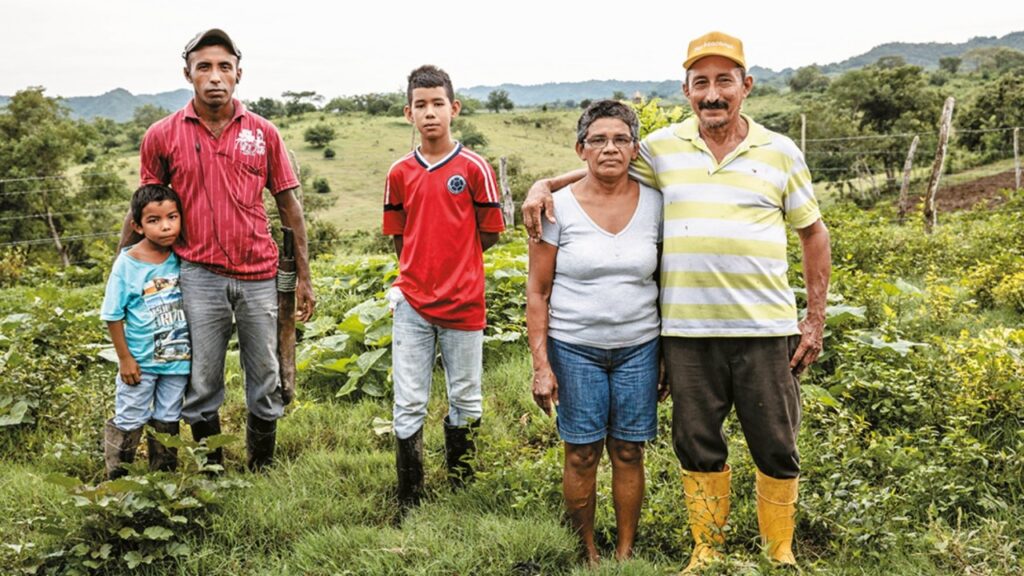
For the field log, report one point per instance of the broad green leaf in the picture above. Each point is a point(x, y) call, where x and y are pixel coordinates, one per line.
point(814, 392)
point(341, 364)
point(335, 343)
point(133, 559)
point(157, 533)
point(382, 426)
point(124, 485)
point(17, 414)
point(220, 440)
point(127, 533)
point(369, 358)
point(63, 481)
point(177, 549)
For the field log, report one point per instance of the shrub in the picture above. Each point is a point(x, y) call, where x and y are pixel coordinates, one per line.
point(320, 185)
point(329, 153)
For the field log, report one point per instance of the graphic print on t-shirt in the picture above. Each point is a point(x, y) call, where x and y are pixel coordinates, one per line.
point(170, 335)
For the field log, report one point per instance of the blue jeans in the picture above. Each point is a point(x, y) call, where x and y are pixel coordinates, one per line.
point(155, 397)
point(413, 350)
point(214, 304)
point(603, 392)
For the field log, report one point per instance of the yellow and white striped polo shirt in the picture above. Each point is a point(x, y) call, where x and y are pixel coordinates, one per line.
point(723, 272)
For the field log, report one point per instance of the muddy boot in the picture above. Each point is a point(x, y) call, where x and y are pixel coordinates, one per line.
point(459, 451)
point(205, 429)
point(260, 437)
point(162, 458)
point(409, 465)
point(119, 448)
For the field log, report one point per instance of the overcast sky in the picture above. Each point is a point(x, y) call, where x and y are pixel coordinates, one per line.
point(79, 48)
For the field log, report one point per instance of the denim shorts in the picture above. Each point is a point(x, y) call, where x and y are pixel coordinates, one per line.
point(606, 392)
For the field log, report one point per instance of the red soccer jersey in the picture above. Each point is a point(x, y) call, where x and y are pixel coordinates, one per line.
point(220, 182)
point(439, 210)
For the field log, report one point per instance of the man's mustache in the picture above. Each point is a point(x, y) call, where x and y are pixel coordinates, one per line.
point(715, 105)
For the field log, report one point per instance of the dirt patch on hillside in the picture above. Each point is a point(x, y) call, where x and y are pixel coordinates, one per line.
point(981, 192)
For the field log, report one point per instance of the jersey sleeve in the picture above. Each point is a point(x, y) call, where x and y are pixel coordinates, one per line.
point(486, 198)
point(280, 175)
point(153, 168)
point(394, 209)
point(115, 298)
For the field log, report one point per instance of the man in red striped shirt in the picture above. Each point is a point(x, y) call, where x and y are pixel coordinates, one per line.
point(219, 157)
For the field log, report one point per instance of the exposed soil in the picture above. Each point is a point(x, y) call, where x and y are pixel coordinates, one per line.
point(967, 195)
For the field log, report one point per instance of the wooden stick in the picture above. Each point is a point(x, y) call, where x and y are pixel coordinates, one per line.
point(930, 213)
point(905, 188)
point(803, 133)
point(508, 207)
point(1016, 155)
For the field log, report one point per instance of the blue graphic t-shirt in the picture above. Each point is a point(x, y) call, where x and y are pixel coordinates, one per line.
point(147, 298)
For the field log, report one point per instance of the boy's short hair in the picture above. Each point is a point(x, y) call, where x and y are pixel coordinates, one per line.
point(607, 109)
point(152, 193)
point(428, 76)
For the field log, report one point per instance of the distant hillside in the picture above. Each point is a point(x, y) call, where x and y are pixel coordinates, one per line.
point(925, 54)
point(535, 95)
point(119, 104)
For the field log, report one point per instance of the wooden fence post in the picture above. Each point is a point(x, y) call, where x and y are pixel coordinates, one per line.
point(905, 188)
point(508, 207)
point(940, 161)
point(803, 134)
point(1016, 155)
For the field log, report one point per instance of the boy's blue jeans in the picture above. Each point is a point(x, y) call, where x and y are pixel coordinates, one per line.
point(214, 304)
point(413, 349)
point(155, 397)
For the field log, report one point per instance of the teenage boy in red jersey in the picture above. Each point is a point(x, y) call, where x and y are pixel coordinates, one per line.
point(442, 206)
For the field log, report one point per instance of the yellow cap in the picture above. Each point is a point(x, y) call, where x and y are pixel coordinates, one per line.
point(715, 44)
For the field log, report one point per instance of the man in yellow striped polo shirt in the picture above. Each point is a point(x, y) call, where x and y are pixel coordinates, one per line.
point(729, 319)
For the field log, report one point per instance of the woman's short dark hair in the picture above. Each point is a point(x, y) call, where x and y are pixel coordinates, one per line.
point(607, 109)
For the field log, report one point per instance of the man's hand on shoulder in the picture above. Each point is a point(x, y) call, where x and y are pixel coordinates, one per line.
point(539, 203)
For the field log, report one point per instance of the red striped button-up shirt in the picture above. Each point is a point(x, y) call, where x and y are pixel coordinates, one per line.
point(220, 181)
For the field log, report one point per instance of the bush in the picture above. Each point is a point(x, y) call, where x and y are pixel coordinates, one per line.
point(320, 185)
point(319, 135)
point(329, 153)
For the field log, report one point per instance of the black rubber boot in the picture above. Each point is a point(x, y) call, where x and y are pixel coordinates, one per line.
point(260, 437)
point(409, 465)
point(161, 457)
point(119, 448)
point(205, 429)
point(459, 451)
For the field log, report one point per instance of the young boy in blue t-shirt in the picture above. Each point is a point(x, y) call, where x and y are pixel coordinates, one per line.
point(143, 311)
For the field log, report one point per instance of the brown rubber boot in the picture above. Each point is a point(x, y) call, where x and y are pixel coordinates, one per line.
point(162, 458)
point(260, 440)
point(459, 451)
point(409, 465)
point(119, 448)
point(776, 508)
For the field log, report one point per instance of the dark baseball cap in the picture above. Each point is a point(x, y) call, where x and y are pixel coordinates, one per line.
point(211, 37)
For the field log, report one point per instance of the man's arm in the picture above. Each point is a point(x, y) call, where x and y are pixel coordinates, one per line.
point(488, 239)
point(538, 200)
point(291, 216)
point(817, 261)
point(399, 242)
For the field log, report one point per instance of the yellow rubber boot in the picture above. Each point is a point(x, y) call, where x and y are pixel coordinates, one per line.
point(707, 504)
point(776, 506)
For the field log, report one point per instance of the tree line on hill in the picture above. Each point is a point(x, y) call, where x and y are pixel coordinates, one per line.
point(856, 123)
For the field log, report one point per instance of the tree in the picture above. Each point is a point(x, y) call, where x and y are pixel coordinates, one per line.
point(469, 134)
point(470, 105)
point(585, 103)
point(985, 117)
point(319, 135)
point(300, 102)
point(808, 79)
point(499, 100)
point(950, 64)
point(267, 107)
point(38, 141)
point(618, 95)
